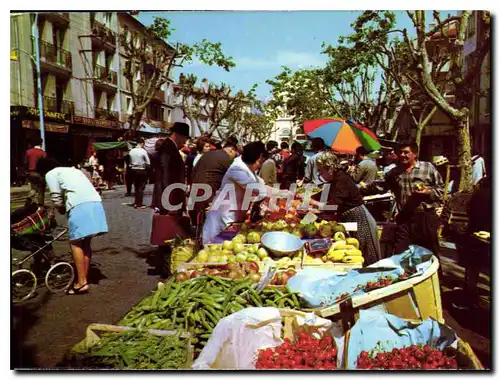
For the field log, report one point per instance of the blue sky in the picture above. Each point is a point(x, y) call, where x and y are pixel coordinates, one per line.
point(261, 42)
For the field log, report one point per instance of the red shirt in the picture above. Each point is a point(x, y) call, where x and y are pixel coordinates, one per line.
point(32, 156)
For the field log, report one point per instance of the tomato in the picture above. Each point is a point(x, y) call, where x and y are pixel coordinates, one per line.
point(364, 354)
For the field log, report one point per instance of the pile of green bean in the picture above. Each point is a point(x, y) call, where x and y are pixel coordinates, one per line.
point(197, 305)
point(138, 350)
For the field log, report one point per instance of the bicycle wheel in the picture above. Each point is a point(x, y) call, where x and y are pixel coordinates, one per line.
point(23, 285)
point(59, 277)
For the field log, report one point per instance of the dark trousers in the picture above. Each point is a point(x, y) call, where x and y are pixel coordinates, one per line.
point(37, 187)
point(419, 228)
point(140, 178)
point(128, 181)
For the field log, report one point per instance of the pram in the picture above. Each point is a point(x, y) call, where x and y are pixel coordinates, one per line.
point(35, 232)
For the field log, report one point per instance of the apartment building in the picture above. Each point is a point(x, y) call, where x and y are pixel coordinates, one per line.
point(85, 97)
point(480, 108)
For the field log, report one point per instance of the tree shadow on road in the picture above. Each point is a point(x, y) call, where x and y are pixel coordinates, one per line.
point(23, 356)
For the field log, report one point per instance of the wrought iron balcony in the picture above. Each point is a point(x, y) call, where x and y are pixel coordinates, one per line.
point(105, 75)
point(103, 34)
point(62, 106)
point(51, 54)
point(104, 114)
point(58, 18)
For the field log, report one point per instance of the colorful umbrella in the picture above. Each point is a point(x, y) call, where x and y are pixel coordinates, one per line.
point(343, 136)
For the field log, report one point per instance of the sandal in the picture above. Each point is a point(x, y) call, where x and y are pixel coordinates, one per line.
point(78, 291)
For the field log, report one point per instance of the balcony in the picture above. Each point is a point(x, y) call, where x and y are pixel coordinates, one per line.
point(57, 18)
point(159, 96)
point(62, 106)
point(104, 114)
point(54, 59)
point(103, 37)
point(105, 79)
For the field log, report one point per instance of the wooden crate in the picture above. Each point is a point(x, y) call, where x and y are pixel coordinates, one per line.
point(415, 299)
point(95, 331)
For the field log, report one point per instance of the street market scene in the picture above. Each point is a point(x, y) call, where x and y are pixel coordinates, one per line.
point(319, 200)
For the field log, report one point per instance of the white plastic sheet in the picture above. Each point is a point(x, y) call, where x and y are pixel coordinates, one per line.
point(237, 338)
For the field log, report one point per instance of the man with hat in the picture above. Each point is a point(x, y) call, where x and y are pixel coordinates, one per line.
point(172, 168)
point(171, 171)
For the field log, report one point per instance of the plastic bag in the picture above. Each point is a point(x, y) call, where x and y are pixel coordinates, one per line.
point(320, 289)
point(237, 337)
point(376, 330)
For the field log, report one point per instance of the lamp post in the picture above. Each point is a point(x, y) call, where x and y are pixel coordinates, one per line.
point(36, 61)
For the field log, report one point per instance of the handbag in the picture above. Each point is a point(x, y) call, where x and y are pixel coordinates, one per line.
point(37, 222)
point(167, 227)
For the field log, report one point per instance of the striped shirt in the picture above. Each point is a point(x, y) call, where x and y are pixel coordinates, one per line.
point(402, 183)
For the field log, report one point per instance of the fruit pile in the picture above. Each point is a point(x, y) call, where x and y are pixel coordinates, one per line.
point(306, 353)
point(413, 357)
point(344, 250)
point(241, 248)
point(234, 271)
point(181, 253)
point(281, 277)
point(382, 282)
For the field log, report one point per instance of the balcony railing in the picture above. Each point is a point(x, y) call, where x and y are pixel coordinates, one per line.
point(62, 106)
point(103, 74)
point(103, 33)
point(50, 53)
point(104, 114)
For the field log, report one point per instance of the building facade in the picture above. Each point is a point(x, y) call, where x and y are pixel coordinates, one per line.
point(85, 98)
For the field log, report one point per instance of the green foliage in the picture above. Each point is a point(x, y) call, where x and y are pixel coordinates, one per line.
point(151, 59)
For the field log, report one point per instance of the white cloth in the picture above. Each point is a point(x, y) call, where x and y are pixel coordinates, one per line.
point(93, 161)
point(139, 159)
point(238, 175)
point(70, 187)
point(388, 168)
point(478, 169)
point(196, 159)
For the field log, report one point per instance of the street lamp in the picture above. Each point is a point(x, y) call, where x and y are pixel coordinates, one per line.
point(36, 61)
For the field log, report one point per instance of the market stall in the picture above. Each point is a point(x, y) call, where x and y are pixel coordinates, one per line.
point(265, 292)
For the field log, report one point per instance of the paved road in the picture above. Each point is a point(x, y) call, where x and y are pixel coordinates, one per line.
point(121, 275)
point(46, 327)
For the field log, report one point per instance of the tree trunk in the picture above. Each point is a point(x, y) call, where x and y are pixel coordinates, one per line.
point(464, 155)
point(418, 137)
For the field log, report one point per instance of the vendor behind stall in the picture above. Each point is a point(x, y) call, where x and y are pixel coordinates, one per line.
point(240, 174)
point(343, 193)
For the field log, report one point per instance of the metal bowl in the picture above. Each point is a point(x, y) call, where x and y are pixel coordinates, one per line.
point(282, 243)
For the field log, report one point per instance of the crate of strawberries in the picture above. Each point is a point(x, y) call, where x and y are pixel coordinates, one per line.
point(304, 347)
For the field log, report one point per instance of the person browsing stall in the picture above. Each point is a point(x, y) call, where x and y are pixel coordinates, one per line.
point(74, 195)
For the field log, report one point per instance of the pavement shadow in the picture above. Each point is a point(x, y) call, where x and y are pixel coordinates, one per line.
point(95, 275)
point(150, 254)
point(24, 317)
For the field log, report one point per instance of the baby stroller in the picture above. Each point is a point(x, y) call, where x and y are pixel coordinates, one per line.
point(35, 232)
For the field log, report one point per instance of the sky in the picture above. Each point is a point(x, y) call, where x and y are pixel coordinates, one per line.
point(261, 42)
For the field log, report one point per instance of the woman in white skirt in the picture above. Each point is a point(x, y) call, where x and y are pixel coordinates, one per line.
point(74, 195)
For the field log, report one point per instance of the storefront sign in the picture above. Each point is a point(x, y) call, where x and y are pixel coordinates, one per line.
point(93, 133)
point(58, 116)
point(49, 127)
point(95, 122)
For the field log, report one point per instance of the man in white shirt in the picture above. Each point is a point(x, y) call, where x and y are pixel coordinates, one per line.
point(138, 166)
point(311, 171)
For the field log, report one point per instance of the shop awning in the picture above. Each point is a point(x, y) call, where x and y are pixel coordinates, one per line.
point(113, 145)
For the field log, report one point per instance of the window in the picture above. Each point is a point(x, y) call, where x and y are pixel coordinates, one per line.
point(129, 105)
point(157, 112)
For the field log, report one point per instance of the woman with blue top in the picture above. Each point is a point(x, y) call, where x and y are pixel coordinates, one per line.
point(74, 195)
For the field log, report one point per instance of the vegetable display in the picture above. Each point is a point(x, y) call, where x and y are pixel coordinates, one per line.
point(307, 352)
point(137, 350)
point(197, 305)
point(413, 357)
